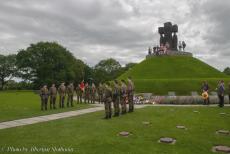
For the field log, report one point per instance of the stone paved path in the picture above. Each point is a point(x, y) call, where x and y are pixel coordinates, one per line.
point(44, 118)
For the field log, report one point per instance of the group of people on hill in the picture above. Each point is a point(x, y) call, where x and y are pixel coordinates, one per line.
point(164, 49)
point(220, 92)
point(118, 93)
point(159, 50)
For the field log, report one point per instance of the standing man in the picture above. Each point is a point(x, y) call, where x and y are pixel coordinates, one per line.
point(108, 100)
point(116, 98)
point(130, 91)
point(220, 91)
point(93, 93)
point(229, 92)
point(183, 45)
point(87, 92)
point(123, 97)
point(205, 90)
point(44, 94)
point(79, 93)
point(62, 93)
point(53, 96)
point(70, 92)
point(100, 93)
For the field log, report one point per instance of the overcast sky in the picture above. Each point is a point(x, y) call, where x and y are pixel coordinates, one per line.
point(123, 29)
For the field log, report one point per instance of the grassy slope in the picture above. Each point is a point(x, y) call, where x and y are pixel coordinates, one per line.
point(89, 134)
point(181, 74)
point(21, 104)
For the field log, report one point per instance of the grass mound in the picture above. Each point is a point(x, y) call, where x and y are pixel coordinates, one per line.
point(181, 74)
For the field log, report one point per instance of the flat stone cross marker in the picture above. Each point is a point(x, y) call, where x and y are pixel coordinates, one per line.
point(180, 127)
point(221, 148)
point(146, 123)
point(124, 133)
point(167, 140)
point(225, 132)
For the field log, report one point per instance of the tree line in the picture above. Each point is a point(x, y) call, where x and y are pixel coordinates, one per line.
point(49, 62)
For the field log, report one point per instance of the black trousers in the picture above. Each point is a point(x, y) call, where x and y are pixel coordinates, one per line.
point(221, 100)
point(206, 101)
point(229, 98)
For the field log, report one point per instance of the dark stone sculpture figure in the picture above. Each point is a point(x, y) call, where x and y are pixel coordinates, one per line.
point(166, 35)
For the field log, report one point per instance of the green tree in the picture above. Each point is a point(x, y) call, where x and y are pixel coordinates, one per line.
point(108, 65)
point(8, 69)
point(227, 71)
point(48, 62)
point(130, 66)
point(106, 70)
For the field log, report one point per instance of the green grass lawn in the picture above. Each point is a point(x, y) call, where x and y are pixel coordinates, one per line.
point(90, 134)
point(181, 74)
point(22, 104)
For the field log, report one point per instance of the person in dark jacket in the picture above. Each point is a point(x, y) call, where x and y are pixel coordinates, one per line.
point(220, 91)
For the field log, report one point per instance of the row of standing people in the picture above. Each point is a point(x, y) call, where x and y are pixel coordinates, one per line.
point(220, 92)
point(82, 90)
point(120, 95)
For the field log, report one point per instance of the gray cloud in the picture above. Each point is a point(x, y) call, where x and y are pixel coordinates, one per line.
point(122, 29)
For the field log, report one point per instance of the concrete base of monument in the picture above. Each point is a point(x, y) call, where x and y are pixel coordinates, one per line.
point(171, 53)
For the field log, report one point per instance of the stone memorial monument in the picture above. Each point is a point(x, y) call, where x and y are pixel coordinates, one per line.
point(168, 43)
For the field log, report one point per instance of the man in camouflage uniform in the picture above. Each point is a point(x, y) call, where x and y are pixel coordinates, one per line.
point(53, 96)
point(123, 97)
point(92, 93)
point(62, 93)
point(79, 93)
point(130, 91)
point(70, 93)
point(108, 100)
point(116, 98)
point(87, 93)
point(100, 93)
point(44, 94)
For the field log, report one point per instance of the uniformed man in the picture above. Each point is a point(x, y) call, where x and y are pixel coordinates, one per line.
point(123, 97)
point(100, 93)
point(107, 100)
point(79, 93)
point(44, 94)
point(92, 93)
point(130, 91)
point(70, 93)
point(62, 93)
point(53, 96)
point(116, 98)
point(87, 92)
point(220, 91)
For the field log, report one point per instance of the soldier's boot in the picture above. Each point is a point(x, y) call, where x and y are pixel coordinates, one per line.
point(46, 106)
point(68, 102)
point(51, 105)
point(109, 115)
point(71, 102)
point(42, 106)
